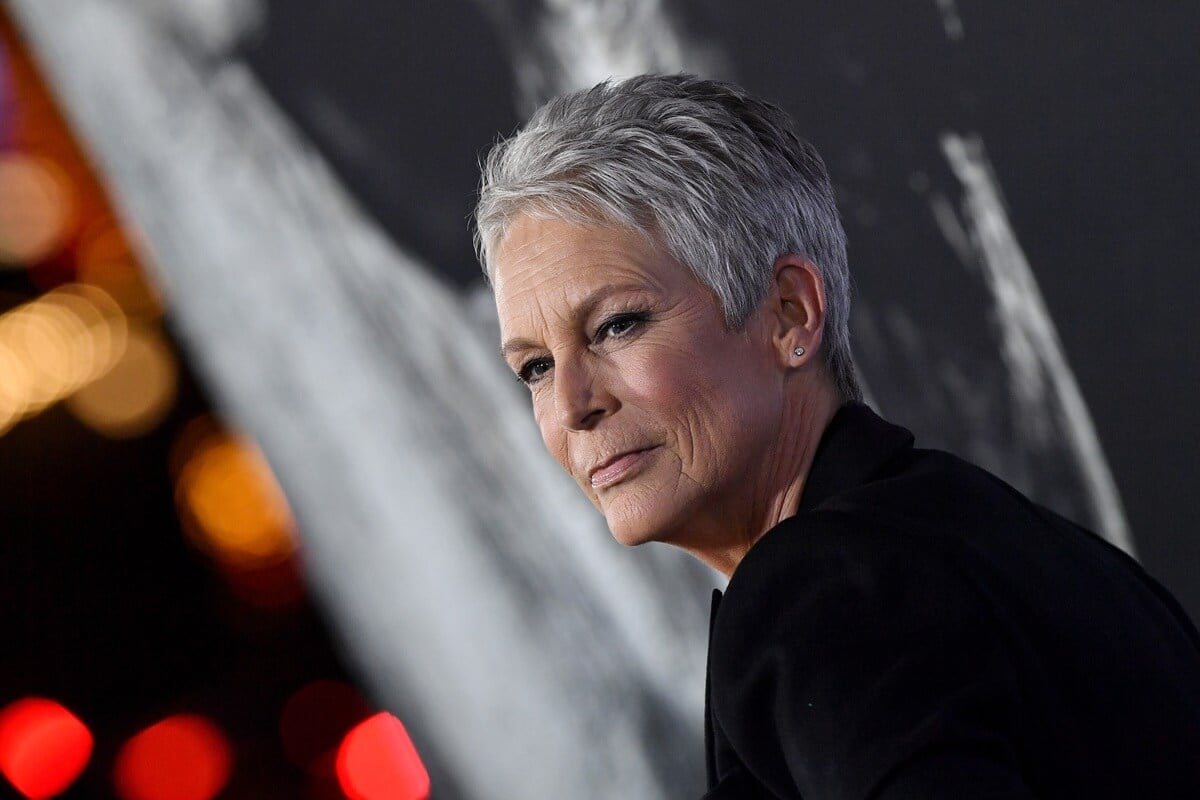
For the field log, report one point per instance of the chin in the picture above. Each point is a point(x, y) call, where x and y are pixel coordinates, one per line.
point(633, 520)
point(631, 536)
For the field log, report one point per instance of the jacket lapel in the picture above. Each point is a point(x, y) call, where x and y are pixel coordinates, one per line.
point(856, 445)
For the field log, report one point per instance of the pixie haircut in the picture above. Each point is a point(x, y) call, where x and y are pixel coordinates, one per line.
point(717, 177)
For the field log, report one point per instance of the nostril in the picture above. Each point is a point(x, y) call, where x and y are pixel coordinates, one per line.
point(592, 418)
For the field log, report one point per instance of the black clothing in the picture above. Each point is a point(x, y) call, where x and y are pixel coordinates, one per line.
point(922, 630)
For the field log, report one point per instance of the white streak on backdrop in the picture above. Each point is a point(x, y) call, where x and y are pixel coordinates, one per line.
point(559, 46)
point(1045, 394)
point(213, 27)
point(475, 586)
point(592, 40)
point(951, 21)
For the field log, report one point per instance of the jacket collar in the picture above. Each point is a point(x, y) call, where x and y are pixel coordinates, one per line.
point(853, 448)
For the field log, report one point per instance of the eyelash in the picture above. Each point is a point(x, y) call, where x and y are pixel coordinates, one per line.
point(633, 318)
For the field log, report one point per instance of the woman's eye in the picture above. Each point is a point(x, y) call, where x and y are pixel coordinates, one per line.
point(619, 325)
point(533, 371)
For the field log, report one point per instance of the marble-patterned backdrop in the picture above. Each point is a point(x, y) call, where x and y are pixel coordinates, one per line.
point(302, 175)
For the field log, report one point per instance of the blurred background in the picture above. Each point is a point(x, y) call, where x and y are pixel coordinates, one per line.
point(274, 520)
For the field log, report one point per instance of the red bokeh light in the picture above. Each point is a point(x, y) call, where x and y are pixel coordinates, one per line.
point(183, 757)
point(377, 761)
point(43, 747)
point(314, 721)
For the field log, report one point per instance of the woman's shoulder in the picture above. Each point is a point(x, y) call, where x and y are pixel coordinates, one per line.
point(834, 628)
point(831, 573)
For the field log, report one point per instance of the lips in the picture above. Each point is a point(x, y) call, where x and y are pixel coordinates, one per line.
point(617, 467)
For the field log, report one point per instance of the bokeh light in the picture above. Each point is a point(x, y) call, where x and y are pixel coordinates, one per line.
point(12, 388)
point(102, 329)
point(53, 346)
point(314, 721)
point(377, 761)
point(183, 757)
point(36, 336)
point(229, 500)
point(232, 508)
point(136, 393)
point(43, 747)
point(38, 208)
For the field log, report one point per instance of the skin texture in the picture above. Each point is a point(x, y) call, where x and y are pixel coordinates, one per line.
point(623, 349)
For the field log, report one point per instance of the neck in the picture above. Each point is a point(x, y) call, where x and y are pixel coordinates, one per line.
point(785, 474)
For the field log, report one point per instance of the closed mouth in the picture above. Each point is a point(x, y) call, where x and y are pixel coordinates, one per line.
point(609, 462)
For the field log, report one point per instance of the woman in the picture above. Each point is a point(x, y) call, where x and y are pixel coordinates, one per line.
point(671, 281)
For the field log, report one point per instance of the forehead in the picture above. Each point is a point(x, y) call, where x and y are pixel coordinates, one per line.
point(551, 265)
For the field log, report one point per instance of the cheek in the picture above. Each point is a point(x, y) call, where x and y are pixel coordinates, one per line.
point(663, 378)
point(707, 401)
point(681, 397)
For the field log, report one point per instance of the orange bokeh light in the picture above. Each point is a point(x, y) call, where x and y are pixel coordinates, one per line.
point(101, 343)
point(183, 757)
point(377, 761)
point(43, 747)
point(137, 391)
point(314, 721)
point(230, 502)
point(56, 345)
point(34, 334)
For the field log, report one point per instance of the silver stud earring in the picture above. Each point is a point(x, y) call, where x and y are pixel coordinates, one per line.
point(799, 351)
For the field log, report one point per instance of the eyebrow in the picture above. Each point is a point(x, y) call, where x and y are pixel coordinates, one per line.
point(584, 308)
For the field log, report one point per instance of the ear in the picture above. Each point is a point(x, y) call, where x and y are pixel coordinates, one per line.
point(797, 306)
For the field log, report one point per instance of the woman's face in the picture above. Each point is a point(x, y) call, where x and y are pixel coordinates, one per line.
point(627, 357)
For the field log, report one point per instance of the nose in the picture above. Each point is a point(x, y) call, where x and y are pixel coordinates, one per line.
point(580, 399)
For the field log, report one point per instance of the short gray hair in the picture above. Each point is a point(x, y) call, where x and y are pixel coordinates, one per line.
point(720, 178)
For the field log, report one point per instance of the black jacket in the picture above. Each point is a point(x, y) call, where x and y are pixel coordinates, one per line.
point(922, 630)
